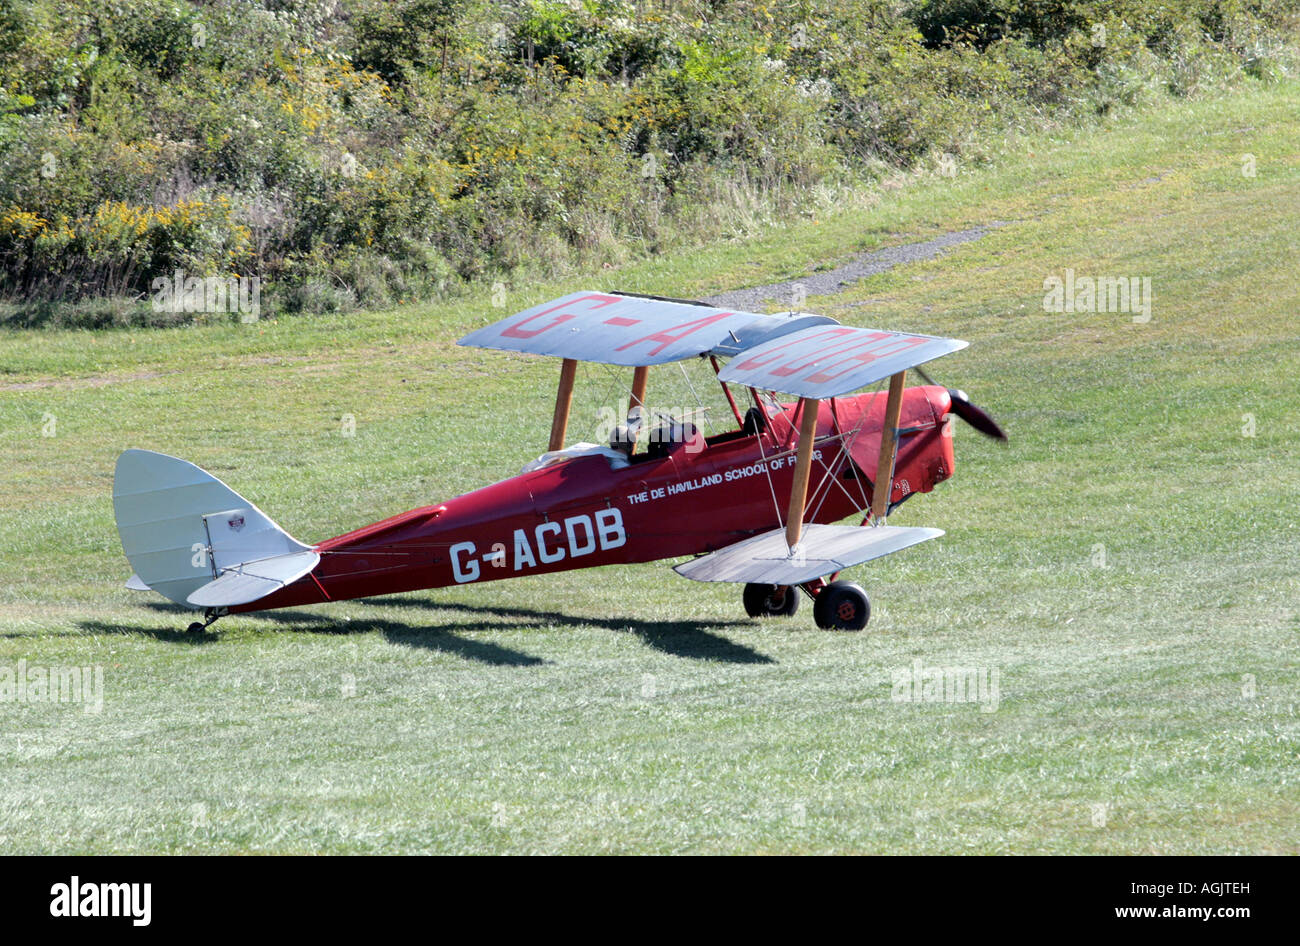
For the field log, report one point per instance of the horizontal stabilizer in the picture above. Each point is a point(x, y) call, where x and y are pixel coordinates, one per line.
point(766, 559)
point(252, 580)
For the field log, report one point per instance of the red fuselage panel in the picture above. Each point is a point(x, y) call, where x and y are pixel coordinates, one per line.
point(581, 513)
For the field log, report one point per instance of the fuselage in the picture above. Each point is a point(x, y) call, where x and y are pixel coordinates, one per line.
point(689, 498)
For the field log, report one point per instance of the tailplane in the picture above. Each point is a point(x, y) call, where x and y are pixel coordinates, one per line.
point(194, 540)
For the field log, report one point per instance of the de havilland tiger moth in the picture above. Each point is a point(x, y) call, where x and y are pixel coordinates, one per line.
point(756, 505)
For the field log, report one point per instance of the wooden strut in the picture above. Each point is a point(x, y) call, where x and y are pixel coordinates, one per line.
point(563, 400)
point(639, 375)
point(884, 485)
point(802, 467)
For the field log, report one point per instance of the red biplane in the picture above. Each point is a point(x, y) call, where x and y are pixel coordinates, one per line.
point(753, 505)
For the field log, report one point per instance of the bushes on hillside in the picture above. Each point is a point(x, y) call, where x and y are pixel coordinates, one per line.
point(367, 152)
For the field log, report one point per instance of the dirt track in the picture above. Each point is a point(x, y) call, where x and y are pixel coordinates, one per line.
point(832, 281)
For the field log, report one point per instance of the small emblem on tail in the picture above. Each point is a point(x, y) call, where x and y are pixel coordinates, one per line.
point(235, 522)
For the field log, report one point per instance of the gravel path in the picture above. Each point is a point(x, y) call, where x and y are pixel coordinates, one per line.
point(834, 280)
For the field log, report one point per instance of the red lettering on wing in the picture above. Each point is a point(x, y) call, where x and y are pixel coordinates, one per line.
point(835, 348)
point(518, 331)
point(756, 361)
point(668, 336)
point(893, 345)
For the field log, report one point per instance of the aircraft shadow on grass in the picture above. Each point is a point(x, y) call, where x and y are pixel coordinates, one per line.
point(687, 639)
point(679, 638)
point(435, 639)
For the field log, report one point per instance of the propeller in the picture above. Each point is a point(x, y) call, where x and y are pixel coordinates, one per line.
point(968, 411)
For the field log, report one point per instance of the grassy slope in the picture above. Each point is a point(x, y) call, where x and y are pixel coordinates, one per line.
point(627, 710)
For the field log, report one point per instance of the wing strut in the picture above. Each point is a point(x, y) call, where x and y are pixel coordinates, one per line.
point(884, 486)
point(802, 467)
point(639, 376)
point(563, 400)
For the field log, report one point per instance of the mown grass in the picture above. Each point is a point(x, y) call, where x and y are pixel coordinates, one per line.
point(1145, 706)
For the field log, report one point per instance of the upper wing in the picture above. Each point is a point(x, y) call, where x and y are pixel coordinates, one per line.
point(796, 353)
point(830, 360)
point(619, 330)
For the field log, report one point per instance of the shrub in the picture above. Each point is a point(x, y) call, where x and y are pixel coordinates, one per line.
point(368, 152)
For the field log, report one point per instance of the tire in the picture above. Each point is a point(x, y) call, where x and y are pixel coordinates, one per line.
point(842, 606)
point(196, 628)
point(761, 601)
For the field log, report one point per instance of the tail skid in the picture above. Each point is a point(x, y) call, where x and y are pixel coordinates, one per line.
point(194, 540)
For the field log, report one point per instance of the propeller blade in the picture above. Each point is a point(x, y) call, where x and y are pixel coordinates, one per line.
point(968, 411)
point(976, 416)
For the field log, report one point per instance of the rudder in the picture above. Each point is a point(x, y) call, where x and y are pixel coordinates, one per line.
point(183, 529)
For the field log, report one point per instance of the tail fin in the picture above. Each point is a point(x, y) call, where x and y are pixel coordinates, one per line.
point(193, 539)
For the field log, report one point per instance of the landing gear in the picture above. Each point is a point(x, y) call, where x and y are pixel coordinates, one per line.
point(841, 606)
point(770, 601)
point(209, 616)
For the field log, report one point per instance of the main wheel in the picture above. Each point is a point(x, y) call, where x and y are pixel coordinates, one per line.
point(198, 627)
point(842, 606)
point(770, 601)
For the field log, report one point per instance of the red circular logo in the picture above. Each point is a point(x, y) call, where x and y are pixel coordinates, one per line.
point(847, 610)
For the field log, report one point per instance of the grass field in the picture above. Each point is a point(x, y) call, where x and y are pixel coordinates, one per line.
point(1127, 565)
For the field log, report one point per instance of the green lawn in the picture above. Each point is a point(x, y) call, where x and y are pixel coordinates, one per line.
point(1127, 565)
